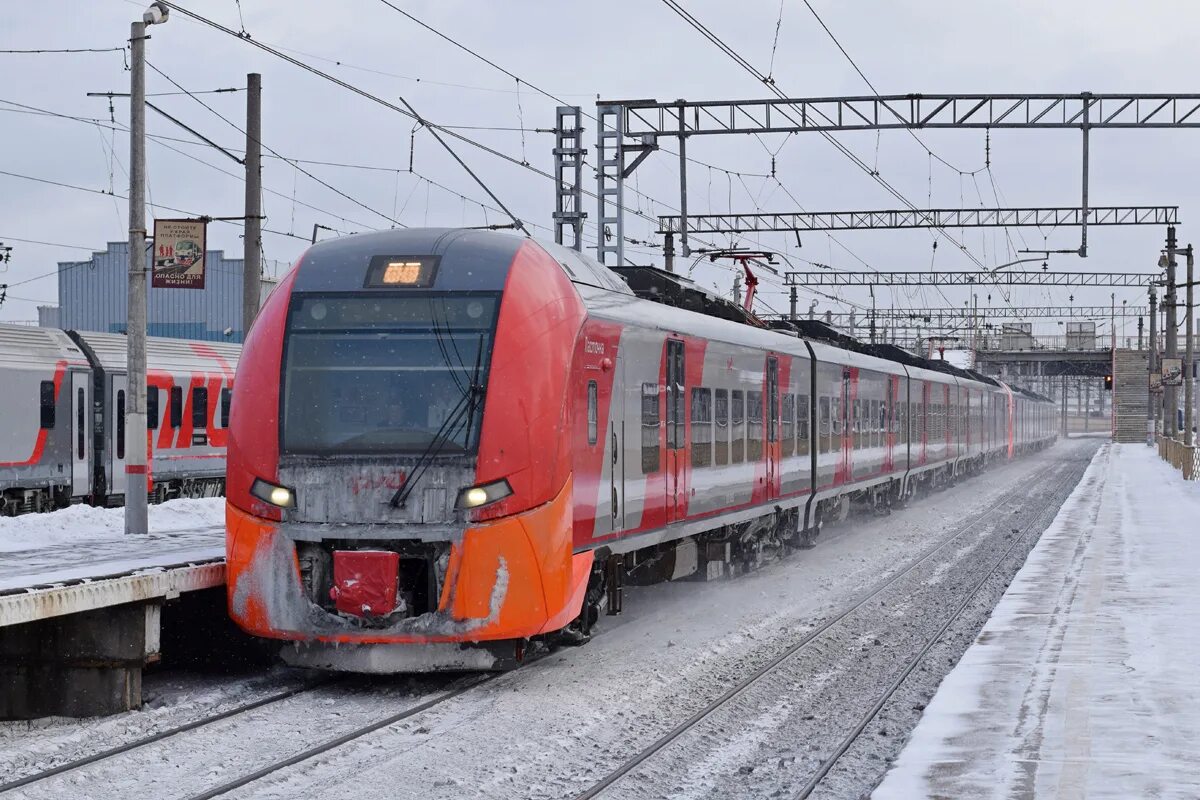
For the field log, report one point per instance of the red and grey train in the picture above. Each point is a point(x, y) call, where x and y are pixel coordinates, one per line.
point(63, 437)
point(446, 443)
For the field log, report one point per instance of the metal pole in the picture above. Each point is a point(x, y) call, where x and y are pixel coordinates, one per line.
point(669, 252)
point(135, 326)
point(683, 212)
point(1064, 407)
point(252, 262)
point(1087, 101)
point(1189, 354)
point(792, 305)
point(1152, 367)
point(1170, 396)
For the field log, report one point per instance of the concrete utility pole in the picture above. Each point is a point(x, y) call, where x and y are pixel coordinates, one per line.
point(1170, 397)
point(1189, 354)
point(1152, 365)
point(136, 471)
point(792, 304)
point(252, 263)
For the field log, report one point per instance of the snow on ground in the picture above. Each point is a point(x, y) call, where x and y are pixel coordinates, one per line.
point(1082, 684)
point(86, 542)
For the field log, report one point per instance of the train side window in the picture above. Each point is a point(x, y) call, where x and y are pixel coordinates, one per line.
point(789, 424)
point(199, 407)
point(702, 429)
point(593, 411)
point(721, 415)
point(46, 394)
point(738, 430)
point(80, 422)
point(823, 425)
point(151, 408)
point(754, 425)
point(226, 404)
point(120, 414)
point(176, 406)
point(650, 420)
point(802, 425)
point(835, 415)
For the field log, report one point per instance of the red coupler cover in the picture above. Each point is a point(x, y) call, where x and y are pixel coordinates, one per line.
point(364, 581)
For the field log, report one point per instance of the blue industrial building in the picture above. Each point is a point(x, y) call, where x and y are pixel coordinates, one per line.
point(93, 294)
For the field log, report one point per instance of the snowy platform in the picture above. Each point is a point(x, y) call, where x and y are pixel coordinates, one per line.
point(1082, 684)
point(79, 558)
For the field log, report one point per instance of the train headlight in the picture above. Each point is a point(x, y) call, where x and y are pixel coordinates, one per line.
point(485, 494)
point(278, 496)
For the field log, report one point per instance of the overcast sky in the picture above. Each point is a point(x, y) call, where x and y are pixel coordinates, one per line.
point(577, 51)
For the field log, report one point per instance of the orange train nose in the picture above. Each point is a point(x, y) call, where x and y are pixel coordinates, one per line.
point(509, 578)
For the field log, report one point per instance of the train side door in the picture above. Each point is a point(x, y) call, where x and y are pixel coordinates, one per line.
point(773, 448)
point(616, 443)
point(676, 430)
point(81, 433)
point(116, 436)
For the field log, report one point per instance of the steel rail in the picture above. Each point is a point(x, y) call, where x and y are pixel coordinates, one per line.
point(683, 727)
point(158, 737)
point(338, 741)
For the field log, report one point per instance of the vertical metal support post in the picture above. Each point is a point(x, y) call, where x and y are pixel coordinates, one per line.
point(669, 252)
point(1170, 395)
point(568, 176)
point(683, 212)
point(135, 326)
point(610, 184)
point(792, 303)
point(1189, 354)
point(252, 262)
point(1063, 379)
point(1083, 217)
point(1152, 367)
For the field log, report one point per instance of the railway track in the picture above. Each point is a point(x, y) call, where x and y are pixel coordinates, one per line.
point(310, 752)
point(159, 736)
point(1035, 521)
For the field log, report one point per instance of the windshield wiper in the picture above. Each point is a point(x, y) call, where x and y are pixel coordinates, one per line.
point(467, 403)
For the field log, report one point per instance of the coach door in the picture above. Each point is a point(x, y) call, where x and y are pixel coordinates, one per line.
point(676, 432)
point(772, 449)
point(116, 435)
point(81, 430)
point(616, 442)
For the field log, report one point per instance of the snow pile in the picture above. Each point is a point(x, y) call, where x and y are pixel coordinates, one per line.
point(82, 523)
point(1082, 684)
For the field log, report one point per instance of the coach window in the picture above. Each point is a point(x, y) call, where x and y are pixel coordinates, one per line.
point(789, 424)
point(721, 407)
point(738, 429)
point(199, 407)
point(151, 407)
point(702, 429)
point(835, 419)
point(754, 426)
point(176, 408)
point(650, 419)
point(226, 404)
point(824, 434)
point(46, 391)
point(802, 425)
point(120, 424)
point(592, 411)
point(856, 424)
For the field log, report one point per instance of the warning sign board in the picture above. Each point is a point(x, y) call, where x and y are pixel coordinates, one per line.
point(179, 246)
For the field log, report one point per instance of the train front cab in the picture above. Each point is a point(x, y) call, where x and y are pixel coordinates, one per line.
point(419, 428)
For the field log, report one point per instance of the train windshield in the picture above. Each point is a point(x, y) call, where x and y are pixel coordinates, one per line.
point(386, 373)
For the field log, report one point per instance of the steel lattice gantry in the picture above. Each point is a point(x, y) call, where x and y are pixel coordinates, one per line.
point(642, 122)
point(919, 218)
point(929, 315)
point(980, 278)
